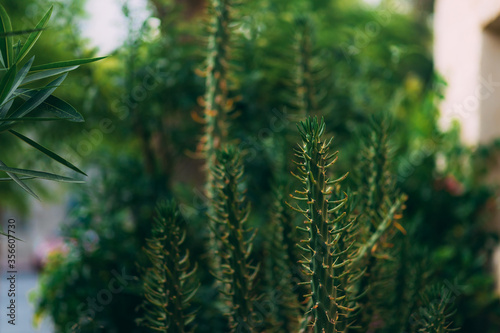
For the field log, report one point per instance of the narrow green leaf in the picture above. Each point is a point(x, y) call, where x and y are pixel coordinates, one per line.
point(19, 32)
point(4, 109)
point(19, 182)
point(33, 119)
point(10, 179)
point(19, 77)
point(40, 174)
point(62, 64)
point(6, 83)
point(4, 234)
point(56, 106)
point(47, 152)
point(33, 37)
point(47, 73)
point(38, 98)
point(6, 47)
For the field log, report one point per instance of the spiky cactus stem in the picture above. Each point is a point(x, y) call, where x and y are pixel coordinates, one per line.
point(216, 104)
point(231, 212)
point(381, 208)
point(328, 242)
point(168, 286)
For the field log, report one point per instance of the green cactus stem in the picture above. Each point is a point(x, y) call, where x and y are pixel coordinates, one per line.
point(216, 103)
point(328, 244)
point(168, 283)
point(235, 273)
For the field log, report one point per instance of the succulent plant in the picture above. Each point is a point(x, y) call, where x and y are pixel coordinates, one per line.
point(235, 273)
point(327, 227)
point(168, 283)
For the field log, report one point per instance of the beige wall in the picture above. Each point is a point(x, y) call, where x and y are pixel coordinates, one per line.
point(467, 55)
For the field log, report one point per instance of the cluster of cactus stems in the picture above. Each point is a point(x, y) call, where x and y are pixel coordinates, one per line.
point(168, 283)
point(235, 273)
point(380, 208)
point(347, 243)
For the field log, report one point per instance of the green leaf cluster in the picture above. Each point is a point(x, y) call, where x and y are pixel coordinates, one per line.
point(26, 97)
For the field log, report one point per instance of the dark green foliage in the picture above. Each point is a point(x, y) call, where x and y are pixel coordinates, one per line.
point(380, 207)
point(91, 258)
point(231, 210)
point(24, 99)
point(305, 86)
point(168, 285)
point(282, 268)
point(435, 315)
point(216, 103)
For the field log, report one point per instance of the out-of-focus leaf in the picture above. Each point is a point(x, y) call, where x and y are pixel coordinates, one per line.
point(6, 84)
point(38, 98)
point(62, 64)
point(10, 179)
point(56, 106)
point(19, 78)
point(33, 119)
point(39, 174)
point(6, 42)
point(19, 182)
point(33, 37)
point(47, 73)
point(19, 32)
point(47, 152)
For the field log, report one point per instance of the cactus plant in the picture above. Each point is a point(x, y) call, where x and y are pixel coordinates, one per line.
point(168, 284)
point(380, 207)
point(435, 314)
point(216, 103)
point(231, 210)
point(328, 241)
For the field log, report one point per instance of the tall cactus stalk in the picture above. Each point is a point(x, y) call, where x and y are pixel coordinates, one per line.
point(230, 213)
point(168, 284)
point(328, 243)
point(215, 102)
point(381, 208)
